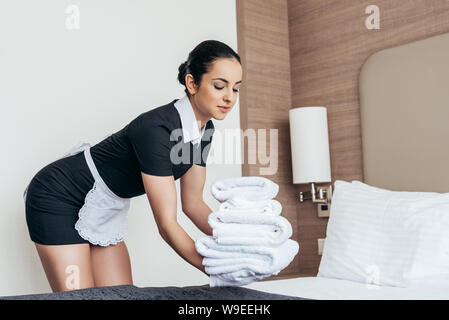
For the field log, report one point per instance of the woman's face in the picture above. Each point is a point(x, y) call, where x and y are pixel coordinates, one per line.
point(218, 91)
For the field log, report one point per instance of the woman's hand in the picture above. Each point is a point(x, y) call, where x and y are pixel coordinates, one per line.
point(202, 268)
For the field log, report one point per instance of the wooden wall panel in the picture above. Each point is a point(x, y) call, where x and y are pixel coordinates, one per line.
point(329, 44)
point(265, 98)
point(309, 52)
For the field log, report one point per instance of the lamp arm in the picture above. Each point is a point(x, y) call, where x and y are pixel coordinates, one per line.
point(324, 194)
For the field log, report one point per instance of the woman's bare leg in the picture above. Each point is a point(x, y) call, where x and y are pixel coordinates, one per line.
point(67, 267)
point(111, 265)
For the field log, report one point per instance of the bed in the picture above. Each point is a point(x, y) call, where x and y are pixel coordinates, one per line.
point(303, 288)
point(321, 288)
point(404, 105)
point(404, 108)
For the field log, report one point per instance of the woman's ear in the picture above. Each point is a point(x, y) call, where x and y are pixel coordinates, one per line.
point(190, 84)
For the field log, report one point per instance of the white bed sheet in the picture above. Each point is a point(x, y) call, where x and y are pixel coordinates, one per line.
point(335, 289)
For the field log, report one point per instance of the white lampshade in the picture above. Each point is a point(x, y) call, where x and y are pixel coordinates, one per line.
point(309, 145)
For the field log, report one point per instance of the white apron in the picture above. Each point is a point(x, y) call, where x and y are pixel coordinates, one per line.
point(102, 220)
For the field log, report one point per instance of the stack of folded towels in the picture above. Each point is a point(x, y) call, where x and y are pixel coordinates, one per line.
point(250, 239)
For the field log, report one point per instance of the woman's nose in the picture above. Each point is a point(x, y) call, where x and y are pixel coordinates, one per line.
point(228, 96)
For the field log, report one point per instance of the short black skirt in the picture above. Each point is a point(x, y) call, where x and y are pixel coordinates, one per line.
point(54, 197)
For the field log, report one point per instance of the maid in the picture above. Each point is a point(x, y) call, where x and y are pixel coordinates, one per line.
point(76, 207)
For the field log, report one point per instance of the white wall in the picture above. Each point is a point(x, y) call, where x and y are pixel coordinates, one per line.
point(60, 86)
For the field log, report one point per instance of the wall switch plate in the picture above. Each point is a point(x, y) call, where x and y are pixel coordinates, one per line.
point(320, 246)
point(323, 210)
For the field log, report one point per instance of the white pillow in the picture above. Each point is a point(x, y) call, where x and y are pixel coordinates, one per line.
point(384, 237)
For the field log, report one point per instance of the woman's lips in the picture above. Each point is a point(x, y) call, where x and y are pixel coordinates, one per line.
point(224, 109)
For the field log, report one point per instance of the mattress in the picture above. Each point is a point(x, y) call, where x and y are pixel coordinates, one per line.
point(335, 289)
point(288, 289)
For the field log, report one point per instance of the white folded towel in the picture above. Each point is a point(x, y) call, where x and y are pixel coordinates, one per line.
point(245, 188)
point(261, 259)
point(240, 280)
point(231, 228)
point(271, 206)
point(240, 264)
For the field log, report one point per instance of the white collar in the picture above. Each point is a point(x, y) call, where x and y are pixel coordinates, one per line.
point(189, 123)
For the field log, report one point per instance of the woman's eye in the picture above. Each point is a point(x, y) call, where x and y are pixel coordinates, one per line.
point(219, 88)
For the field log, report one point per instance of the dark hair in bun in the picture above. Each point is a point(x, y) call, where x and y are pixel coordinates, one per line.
point(201, 58)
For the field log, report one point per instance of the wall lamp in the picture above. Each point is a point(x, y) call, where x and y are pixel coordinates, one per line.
point(310, 155)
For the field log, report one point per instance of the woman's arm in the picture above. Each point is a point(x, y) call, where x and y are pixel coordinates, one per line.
point(193, 205)
point(161, 193)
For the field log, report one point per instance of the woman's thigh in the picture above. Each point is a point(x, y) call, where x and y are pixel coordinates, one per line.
point(67, 267)
point(111, 265)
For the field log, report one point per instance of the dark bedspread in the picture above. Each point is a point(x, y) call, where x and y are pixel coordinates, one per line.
point(130, 292)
